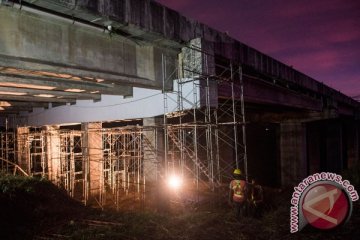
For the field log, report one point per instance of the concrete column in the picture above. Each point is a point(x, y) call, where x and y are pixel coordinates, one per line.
point(334, 147)
point(154, 151)
point(292, 152)
point(331, 145)
point(52, 142)
point(92, 147)
point(315, 146)
point(23, 148)
point(153, 148)
point(352, 140)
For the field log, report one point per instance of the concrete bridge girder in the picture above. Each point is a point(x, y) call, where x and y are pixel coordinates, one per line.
point(40, 42)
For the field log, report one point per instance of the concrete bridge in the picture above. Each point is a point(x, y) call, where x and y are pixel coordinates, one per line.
point(62, 60)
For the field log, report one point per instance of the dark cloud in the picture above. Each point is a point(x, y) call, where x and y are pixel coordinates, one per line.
point(320, 38)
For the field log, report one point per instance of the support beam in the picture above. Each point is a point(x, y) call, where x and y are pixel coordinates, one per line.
point(110, 76)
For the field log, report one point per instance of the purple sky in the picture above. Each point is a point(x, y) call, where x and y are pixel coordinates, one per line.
point(320, 38)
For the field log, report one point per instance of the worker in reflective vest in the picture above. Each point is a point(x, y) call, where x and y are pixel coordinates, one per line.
point(238, 193)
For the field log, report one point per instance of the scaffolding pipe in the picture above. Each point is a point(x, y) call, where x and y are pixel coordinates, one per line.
point(243, 120)
point(217, 148)
point(163, 61)
point(234, 118)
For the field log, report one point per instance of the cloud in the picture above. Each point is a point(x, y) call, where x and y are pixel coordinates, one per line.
point(309, 61)
point(343, 37)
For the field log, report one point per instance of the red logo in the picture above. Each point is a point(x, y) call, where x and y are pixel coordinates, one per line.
point(325, 206)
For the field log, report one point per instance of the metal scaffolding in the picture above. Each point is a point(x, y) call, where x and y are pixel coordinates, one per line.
point(71, 175)
point(122, 163)
point(37, 162)
point(60, 155)
point(7, 151)
point(205, 135)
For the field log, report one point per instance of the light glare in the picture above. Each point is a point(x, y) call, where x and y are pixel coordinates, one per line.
point(175, 182)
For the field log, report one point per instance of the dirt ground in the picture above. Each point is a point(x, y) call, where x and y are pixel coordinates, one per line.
point(35, 209)
point(203, 223)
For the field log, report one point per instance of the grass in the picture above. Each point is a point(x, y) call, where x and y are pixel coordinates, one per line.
point(28, 205)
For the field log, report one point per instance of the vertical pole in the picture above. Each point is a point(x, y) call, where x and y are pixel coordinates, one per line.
point(218, 174)
point(137, 155)
point(163, 60)
point(181, 127)
point(42, 149)
point(243, 121)
point(85, 166)
point(197, 172)
point(234, 117)
point(72, 163)
point(6, 144)
point(209, 135)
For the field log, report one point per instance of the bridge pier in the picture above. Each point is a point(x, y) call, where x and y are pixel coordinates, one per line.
point(292, 152)
point(153, 148)
point(23, 149)
point(92, 150)
point(352, 140)
point(52, 142)
point(326, 146)
point(307, 143)
point(333, 145)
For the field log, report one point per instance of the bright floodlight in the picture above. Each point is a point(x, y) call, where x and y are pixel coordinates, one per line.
point(174, 182)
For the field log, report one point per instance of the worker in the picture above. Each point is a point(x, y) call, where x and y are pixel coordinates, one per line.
point(238, 193)
point(256, 199)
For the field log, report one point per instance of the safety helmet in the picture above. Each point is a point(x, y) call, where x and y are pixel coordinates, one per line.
point(237, 171)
